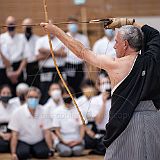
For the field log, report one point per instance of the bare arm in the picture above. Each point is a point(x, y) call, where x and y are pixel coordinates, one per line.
point(57, 53)
point(5, 60)
point(89, 132)
point(100, 61)
point(59, 135)
point(14, 141)
point(82, 132)
point(48, 138)
point(21, 66)
point(101, 114)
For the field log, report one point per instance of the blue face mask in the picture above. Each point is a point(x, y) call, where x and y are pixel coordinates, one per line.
point(109, 33)
point(73, 28)
point(32, 103)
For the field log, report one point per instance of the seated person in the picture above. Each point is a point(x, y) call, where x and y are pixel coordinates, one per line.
point(88, 90)
point(101, 107)
point(28, 136)
point(53, 102)
point(6, 110)
point(69, 130)
point(84, 103)
point(55, 93)
point(21, 91)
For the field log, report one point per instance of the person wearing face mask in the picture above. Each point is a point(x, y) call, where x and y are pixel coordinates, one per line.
point(21, 91)
point(32, 67)
point(55, 93)
point(74, 65)
point(69, 129)
point(15, 46)
point(84, 103)
point(29, 137)
point(101, 105)
point(55, 101)
point(89, 90)
point(6, 111)
point(48, 73)
point(105, 44)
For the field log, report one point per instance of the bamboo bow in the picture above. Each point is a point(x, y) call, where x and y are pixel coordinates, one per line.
point(55, 63)
point(105, 22)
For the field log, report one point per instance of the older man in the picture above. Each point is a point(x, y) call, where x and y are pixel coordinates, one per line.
point(133, 129)
point(32, 67)
point(14, 52)
point(28, 135)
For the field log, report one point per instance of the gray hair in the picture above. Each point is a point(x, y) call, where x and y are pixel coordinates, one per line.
point(35, 89)
point(22, 87)
point(133, 35)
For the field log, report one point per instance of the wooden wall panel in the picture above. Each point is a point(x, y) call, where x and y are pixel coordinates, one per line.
point(59, 10)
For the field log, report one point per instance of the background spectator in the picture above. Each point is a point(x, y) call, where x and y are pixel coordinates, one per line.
point(48, 73)
point(28, 135)
point(32, 68)
point(69, 130)
point(15, 49)
point(6, 110)
point(74, 65)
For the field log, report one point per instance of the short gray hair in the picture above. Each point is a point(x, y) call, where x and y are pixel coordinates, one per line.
point(133, 35)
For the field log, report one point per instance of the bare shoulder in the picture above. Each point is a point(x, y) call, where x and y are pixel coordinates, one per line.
point(123, 67)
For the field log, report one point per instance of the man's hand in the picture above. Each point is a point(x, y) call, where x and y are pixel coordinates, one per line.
point(48, 27)
point(14, 156)
point(13, 76)
point(119, 22)
point(105, 96)
point(74, 143)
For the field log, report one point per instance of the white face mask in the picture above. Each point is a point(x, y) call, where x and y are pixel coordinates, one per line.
point(56, 94)
point(104, 87)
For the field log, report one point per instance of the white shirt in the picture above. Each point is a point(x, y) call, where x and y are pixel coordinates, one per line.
point(69, 123)
point(15, 46)
point(3, 49)
point(30, 128)
point(71, 57)
point(16, 101)
point(49, 108)
point(104, 47)
point(6, 112)
point(96, 104)
point(30, 48)
point(43, 43)
point(85, 107)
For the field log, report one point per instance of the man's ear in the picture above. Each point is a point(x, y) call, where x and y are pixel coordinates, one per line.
point(126, 44)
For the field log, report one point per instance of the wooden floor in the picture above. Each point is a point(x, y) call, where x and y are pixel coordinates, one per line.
point(56, 157)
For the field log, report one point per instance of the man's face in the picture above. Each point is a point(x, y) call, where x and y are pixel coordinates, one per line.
point(119, 46)
point(11, 21)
